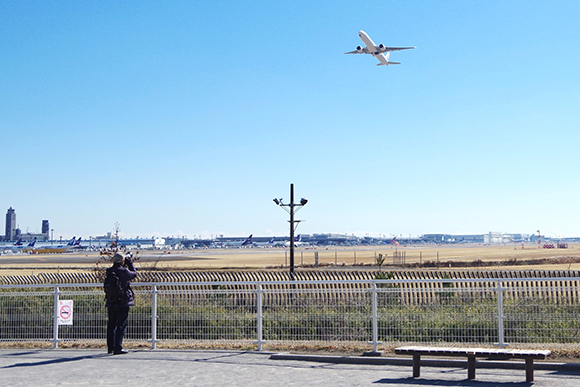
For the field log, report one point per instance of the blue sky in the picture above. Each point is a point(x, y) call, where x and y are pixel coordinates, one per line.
point(187, 118)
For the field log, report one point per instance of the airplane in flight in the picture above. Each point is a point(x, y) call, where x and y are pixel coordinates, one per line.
point(377, 51)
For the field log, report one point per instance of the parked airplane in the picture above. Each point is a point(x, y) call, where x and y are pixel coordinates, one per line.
point(18, 246)
point(57, 249)
point(271, 243)
point(377, 51)
point(297, 241)
point(519, 240)
point(77, 245)
point(70, 243)
point(246, 242)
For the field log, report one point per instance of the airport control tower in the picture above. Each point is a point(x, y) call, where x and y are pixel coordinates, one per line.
point(10, 224)
point(46, 229)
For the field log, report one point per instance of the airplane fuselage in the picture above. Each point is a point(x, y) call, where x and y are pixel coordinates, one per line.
point(366, 39)
point(369, 43)
point(381, 52)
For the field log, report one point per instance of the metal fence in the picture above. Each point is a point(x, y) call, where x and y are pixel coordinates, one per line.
point(393, 312)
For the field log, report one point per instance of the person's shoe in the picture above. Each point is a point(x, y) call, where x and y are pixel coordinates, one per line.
point(110, 352)
point(121, 352)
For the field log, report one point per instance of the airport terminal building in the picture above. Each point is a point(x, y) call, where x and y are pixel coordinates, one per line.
point(13, 233)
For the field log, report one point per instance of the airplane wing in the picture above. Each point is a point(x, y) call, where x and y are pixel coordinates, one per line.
point(362, 50)
point(379, 49)
point(385, 49)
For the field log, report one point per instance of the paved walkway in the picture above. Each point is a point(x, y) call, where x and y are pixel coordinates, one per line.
point(143, 368)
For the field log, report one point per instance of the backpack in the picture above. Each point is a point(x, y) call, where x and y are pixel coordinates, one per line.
point(114, 292)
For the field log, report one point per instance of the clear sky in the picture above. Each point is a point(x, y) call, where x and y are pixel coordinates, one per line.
point(189, 117)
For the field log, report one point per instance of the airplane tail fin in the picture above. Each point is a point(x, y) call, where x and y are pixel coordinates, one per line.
point(387, 63)
point(247, 241)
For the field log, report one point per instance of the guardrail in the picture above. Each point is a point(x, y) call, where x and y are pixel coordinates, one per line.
point(454, 311)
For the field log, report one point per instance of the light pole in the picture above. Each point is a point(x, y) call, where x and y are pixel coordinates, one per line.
point(291, 208)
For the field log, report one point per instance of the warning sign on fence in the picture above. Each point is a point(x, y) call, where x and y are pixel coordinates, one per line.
point(65, 312)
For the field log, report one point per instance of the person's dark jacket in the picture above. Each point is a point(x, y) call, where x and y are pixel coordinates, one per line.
point(125, 274)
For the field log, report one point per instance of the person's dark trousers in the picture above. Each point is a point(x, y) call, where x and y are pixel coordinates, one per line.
point(118, 316)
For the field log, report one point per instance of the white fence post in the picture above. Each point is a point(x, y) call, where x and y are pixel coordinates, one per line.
point(375, 319)
point(55, 339)
point(154, 316)
point(500, 316)
point(260, 340)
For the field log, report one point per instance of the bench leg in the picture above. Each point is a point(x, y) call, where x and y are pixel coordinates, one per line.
point(416, 366)
point(529, 370)
point(470, 367)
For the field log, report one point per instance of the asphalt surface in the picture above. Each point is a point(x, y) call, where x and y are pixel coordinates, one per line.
point(143, 368)
point(13, 260)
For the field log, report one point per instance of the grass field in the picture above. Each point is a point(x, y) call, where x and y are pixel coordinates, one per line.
point(505, 257)
point(366, 256)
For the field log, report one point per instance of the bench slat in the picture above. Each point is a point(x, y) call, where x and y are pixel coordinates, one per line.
point(479, 352)
point(471, 354)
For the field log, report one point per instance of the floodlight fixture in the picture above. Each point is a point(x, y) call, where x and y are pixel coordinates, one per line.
point(303, 202)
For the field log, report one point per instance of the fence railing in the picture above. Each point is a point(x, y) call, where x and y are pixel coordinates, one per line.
point(452, 311)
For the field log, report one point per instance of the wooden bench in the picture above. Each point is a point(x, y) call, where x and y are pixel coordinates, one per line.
point(471, 354)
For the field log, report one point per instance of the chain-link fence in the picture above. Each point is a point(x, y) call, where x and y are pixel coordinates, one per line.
point(478, 312)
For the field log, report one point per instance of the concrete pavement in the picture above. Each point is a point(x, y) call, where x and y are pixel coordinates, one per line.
point(144, 368)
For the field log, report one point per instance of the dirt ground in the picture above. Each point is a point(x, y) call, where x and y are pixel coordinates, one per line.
point(465, 256)
point(365, 256)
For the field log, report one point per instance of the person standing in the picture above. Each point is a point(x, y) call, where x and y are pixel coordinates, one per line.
point(118, 304)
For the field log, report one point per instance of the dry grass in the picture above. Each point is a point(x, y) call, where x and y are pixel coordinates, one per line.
point(455, 256)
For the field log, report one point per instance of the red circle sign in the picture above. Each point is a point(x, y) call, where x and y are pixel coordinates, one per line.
point(65, 312)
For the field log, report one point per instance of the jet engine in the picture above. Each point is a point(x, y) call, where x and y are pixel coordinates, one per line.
point(382, 46)
point(359, 48)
